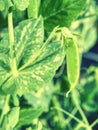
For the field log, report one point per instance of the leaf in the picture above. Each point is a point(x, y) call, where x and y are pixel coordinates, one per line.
point(15, 100)
point(4, 68)
point(27, 116)
point(5, 6)
point(2, 5)
point(13, 117)
point(29, 36)
point(60, 12)
point(36, 61)
point(42, 97)
point(4, 48)
point(2, 102)
point(33, 8)
point(86, 27)
point(90, 106)
point(3, 125)
point(90, 79)
point(21, 4)
point(72, 58)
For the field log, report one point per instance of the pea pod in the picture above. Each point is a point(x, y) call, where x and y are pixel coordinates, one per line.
point(72, 58)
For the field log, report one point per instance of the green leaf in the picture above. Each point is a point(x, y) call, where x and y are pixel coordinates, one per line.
point(27, 116)
point(4, 14)
point(42, 97)
point(60, 12)
point(33, 8)
point(21, 4)
point(5, 6)
point(4, 48)
point(2, 99)
point(36, 61)
point(3, 125)
point(2, 5)
point(90, 106)
point(86, 27)
point(4, 67)
point(15, 100)
point(72, 58)
point(29, 36)
point(12, 118)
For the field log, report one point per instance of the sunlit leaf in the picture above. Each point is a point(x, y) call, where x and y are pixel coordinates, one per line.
point(35, 66)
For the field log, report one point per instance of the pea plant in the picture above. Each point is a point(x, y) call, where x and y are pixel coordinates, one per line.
point(32, 49)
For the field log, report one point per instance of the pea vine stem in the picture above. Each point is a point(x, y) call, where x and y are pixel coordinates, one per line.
point(11, 40)
point(73, 117)
point(94, 123)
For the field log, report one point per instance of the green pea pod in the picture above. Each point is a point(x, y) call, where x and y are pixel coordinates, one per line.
point(72, 58)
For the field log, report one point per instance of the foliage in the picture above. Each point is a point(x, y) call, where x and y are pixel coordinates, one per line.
point(40, 63)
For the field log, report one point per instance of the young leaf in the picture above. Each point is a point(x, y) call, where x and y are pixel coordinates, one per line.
point(33, 8)
point(21, 4)
point(27, 116)
point(72, 58)
point(29, 36)
point(12, 118)
point(60, 12)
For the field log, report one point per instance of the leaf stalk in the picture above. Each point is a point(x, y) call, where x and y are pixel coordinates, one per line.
point(11, 40)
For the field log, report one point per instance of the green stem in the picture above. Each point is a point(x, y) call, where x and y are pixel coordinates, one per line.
point(82, 115)
point(94, 123)
point(73, 113)
point(4, 110)
point(70, 115)
point(11, 31)
point(56, 104)
point(11, 40)
point(79, 108)
point(78, 127)
point(73, 117)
